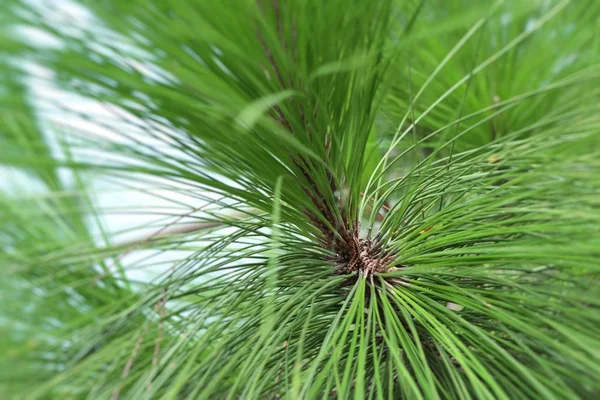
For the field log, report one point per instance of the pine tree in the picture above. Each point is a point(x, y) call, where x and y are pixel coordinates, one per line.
point(299, 199)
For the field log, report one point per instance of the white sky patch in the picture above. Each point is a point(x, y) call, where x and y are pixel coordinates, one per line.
point(128, 211)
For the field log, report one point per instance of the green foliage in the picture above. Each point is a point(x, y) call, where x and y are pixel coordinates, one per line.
point(368, 199)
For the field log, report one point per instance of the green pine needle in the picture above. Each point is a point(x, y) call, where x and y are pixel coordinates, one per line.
point(293, 199)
